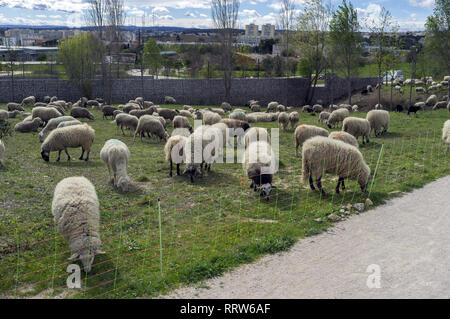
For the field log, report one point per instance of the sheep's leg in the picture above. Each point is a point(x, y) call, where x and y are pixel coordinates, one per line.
point(87, 157)
point(311, 183)
point(178, 170)
point(59, 156)
point(319, 185)
point(171, 165)
point(82, 154)
point(252, 185)
point(343, 184)
point(67, 153)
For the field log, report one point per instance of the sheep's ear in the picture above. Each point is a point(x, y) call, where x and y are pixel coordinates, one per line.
point(74, 257)
point(100, 252)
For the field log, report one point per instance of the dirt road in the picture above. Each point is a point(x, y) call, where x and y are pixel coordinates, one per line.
point(402, 247)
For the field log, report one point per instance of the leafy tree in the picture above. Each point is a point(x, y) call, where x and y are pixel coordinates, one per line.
point(80, 56)
point(345, 39)
point(438, 37)
point(152, 56)
point(267, 66)
point(278, 66)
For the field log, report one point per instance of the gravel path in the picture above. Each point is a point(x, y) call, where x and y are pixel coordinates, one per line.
point(408, 238)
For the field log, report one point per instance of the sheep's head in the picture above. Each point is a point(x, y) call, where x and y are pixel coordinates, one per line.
point(45, 156)
point(364, 178)
point(265, 190)
point(86, 256)
point(193, 171)
point(124, 184)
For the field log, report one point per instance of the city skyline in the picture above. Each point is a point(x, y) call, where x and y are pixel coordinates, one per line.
point(409, 14)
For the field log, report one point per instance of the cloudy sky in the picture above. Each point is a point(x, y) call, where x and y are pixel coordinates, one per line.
point(410, 14)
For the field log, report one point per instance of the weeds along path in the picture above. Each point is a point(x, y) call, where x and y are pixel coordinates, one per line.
point(404, 241)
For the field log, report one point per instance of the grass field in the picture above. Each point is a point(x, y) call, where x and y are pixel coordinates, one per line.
point(197, 230)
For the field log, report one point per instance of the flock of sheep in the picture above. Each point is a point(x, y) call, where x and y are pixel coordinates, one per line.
point(75, 204)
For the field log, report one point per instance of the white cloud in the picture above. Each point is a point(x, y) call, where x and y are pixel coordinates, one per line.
point(422, 3)
point(160, 10)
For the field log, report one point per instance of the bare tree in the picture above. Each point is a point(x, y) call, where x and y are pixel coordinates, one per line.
point(286, 22)
point(115, 19)
point(96, 16)
point(225, 17)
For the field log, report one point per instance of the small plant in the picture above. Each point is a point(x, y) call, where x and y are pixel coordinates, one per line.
point(5, 129)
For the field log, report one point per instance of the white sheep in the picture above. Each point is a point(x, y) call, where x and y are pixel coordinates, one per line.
point(294, 118)
point(324, 116)
point(317, 108)
point(174, 151)
point(283, 120)
point(194, 153)
point(259, 165)
point(357, 127)
point(210, 118)
point(45, 113)
point(256, 134)
point(152, 126)
point(2, 153)
point(446, 134)
point(344, 137)
point(431, 100)
point(272, 106)
point(180, 122)
point(28, 126)
point(261, 117)
point(69, 123)
point(52, 124)
point(305, 132)
point(68, 137)
point(126, 120)
point(379, 121)
point(116, 156)
point(29, 101)
point(75, 209)
point(325, 155)
point(337, 117)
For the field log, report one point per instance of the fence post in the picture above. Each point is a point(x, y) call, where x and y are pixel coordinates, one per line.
point(376, 169)
point(160, 237)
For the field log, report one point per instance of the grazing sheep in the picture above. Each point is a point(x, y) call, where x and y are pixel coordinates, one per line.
point(45, 113)
point(58, 107)
point(445, 135)
point(283, 120)
point(108, 111)
point(29, 101)
point(255, 134)
point(152, 126)
point(167, 114)
point(46, 99)
point(357, 127)
point(420, 90)
point(79, 112)
point(344, 137)
point(432, 100)
point(281, 108)
point(238, 115)
point(68, 137)
point(69, 123)
point(195, 154)
point(440, 105)
point(175, 146)
point(130, 107)
point(305, 132)
point(116, 156)
point(262, 117)
point(140, 113)
point(115, 113)
point(52, 124)
point(238, 128)
point(29, 126)
point(414, 109)
point(259, 165)
point(307, 109)
point(399, 108)
point(272, 106)
point(2, 153)
point(169, 100)
point(325, 155)
point(15, 106)
point(355, 108)
point(93, 104)
point(75, 209)
point(378, 119)
point(210, 118)
point(324, 116)
point(54, 98)
point(4, 115)
point(13, 114)
point(337, 117)
point(255, 108)
point(186, 113)
point(226, 106)
point(126, 120)
point(219, 111)
point(317, 108)
point(180, 122)
point(370, 88)
point(294, 118)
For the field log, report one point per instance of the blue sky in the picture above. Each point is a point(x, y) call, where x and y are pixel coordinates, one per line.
point(410, 14)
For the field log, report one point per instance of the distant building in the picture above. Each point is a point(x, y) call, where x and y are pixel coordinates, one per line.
point(251, 30)
point(268, 30)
